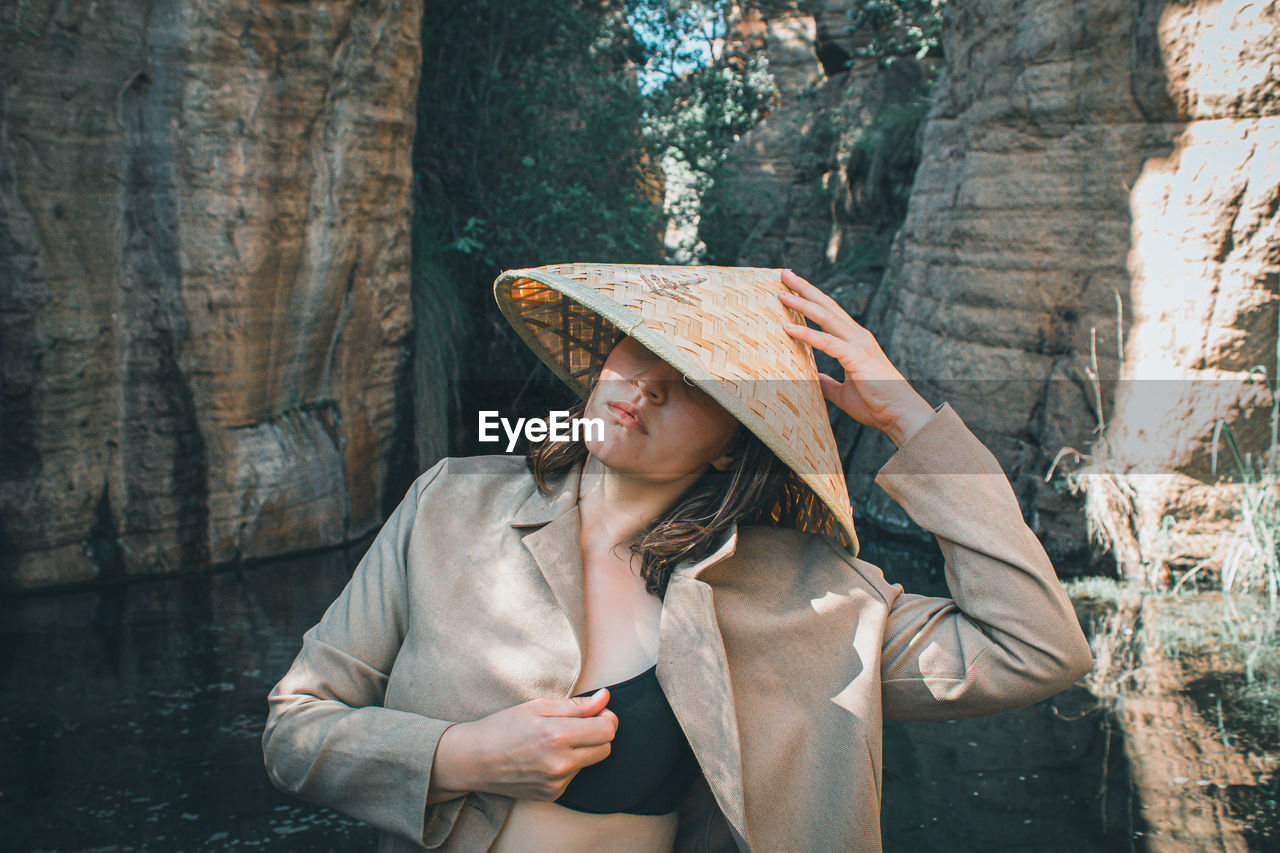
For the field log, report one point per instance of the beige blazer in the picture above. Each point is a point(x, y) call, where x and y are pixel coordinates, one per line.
point(779, 653)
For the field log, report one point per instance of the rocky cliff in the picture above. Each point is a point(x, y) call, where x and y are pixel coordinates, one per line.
point(204, 214)
point(1097, 191)
point(1099, 179)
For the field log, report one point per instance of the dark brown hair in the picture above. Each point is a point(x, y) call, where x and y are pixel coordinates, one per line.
point(753, 484)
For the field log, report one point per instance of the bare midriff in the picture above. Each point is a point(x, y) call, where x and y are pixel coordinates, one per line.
point(622, 632)
point(534, 826)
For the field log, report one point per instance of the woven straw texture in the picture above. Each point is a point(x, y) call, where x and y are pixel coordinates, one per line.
point(719, 326)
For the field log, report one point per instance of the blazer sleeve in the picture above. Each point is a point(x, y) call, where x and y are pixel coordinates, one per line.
point(1009, 636)
point(327, 738)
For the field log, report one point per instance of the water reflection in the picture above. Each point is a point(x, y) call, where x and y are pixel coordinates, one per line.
point(132, 718)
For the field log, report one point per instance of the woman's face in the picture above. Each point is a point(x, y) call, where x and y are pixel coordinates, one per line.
point(656, 426)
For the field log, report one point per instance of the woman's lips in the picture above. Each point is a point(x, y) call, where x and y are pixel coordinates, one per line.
point(627, 416)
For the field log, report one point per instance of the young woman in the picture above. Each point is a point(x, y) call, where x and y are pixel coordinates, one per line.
point(660, 637)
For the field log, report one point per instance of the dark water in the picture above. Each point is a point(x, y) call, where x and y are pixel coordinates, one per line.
point(1218, 698)
point(131, 720)
point(1049, 778)
point(132, 716)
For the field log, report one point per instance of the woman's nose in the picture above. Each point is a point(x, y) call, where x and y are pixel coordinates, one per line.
point(653, 387)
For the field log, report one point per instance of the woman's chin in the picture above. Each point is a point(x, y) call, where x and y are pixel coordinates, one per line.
point(617, 459)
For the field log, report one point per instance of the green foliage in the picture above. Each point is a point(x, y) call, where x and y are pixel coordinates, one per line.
point(897, 27)
point(702, 102)
point(694, 120)
point(698, 116)
point(1251, 557)
point(471, 240)
point(1249, 554)
point(871, 255)
point(441, 333)
point(529, 151)
point(896, 124)
point(1209, 633)
point(879, 156)
point(529, 140)
point(537, 144)
point(881, 164)
point(724, 225)
point(1102, 589)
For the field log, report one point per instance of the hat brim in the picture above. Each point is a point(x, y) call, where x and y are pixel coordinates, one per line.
point(571, 328)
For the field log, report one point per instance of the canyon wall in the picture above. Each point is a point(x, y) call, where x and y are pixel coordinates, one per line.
point(1097, 192)
point(204, 249)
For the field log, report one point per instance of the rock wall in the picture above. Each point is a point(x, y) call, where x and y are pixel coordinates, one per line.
point(812, 186)
point(1100, 183)
point(1097, 191)
point(204, 222)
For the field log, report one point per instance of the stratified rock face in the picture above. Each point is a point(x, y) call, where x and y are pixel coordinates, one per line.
point(1076, 155)
point(811, 187)
point(802, 190)
point(204, 217)
point(1092, 176)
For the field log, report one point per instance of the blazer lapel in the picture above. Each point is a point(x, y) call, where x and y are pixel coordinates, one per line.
point(694, 673)
point(692, 667)
point(556, 548)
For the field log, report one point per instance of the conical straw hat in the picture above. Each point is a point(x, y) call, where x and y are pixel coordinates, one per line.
point(719, 326)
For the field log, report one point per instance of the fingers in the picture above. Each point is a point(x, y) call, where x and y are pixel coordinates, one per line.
point(819, 307)
point(808, 291)
point(592, 754)
point(828, 343)
point(825, 318)
point(830, 387)
point(579, 706)
point(580, 733)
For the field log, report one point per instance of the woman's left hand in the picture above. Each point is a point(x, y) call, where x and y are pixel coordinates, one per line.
point(873, 393)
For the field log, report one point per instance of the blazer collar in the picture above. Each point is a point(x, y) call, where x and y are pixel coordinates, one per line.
point(692, 665)
point(539, 508)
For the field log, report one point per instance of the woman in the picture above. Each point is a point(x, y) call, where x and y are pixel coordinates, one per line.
point(457, 693)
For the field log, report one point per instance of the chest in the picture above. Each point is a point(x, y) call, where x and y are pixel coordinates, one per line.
point(499, 615)
point(622, 619)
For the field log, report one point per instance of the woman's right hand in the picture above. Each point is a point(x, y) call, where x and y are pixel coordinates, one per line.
point(528, 751)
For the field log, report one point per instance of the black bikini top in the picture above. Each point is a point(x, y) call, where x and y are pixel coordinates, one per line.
point(650, 766)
